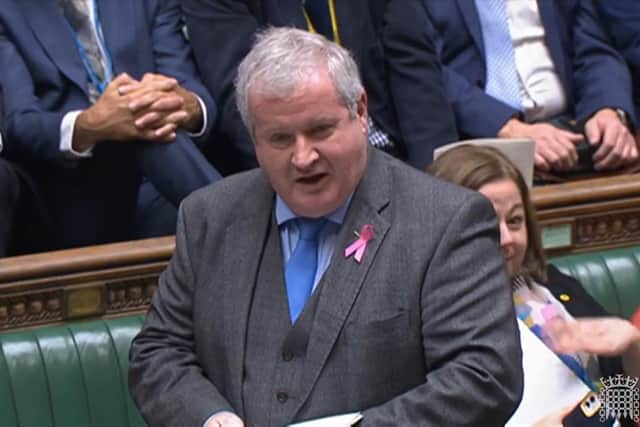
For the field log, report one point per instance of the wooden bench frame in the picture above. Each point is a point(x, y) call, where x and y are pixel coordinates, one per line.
point(589, 215)
point(103, 280)
point(118, 279)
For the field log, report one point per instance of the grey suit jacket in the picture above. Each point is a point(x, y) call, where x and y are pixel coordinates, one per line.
point(422, 332)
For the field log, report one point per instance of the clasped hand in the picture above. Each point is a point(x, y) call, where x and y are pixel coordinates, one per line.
point(555, 148)
point(150, 109)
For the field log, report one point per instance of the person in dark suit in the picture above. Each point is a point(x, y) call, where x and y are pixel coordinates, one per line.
point(24, 226)
point(620, 18)
point(98, 95)
point(9, 190)
point(530, 68)
point(591, 343)
point(407, 102)
point(24, 223)
point(273, 311)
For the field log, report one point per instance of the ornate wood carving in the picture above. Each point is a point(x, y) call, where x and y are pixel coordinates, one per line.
point(601, 213)
point(131, 294)
point(19, 310)
point(106, 280)
point(608, 229)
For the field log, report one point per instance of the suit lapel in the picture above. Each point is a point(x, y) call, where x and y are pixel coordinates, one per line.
point(351, 25)
point(345, 277)
point(53, 33)
point(244, 244)
point(470, 16)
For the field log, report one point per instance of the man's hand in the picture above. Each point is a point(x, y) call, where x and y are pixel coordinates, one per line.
point(555, 148)
point(111, 119)
point(224, 419)
point(617, 146)
point(159, 103)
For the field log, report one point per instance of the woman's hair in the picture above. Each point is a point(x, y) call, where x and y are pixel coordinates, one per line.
point(473, 166)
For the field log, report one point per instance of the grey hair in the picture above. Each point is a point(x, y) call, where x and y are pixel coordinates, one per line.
point(282, 59)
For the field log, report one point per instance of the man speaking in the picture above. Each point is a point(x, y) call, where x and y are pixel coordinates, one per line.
point(333, 279)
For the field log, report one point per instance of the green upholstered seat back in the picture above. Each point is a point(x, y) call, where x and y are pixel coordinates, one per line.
point(68, 376)
point(612, 277)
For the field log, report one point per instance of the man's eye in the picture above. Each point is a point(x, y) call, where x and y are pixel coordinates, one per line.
point(280, 138)
point(322, 131)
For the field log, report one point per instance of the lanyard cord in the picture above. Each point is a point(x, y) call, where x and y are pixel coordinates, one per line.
point(334, 22)
point(99, 84)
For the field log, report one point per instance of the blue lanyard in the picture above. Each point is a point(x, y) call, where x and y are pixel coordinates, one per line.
point(100, 85)
point(571, 362)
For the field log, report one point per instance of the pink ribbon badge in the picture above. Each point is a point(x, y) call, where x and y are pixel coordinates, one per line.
point(360, 245)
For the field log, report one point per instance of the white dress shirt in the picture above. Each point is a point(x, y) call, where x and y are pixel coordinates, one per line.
point(542, 92)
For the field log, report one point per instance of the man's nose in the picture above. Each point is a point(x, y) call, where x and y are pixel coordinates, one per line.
point(304, 153)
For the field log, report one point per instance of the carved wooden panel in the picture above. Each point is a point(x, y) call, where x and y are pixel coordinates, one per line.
point(106, 280)
point(130, 294)
point(589, 215)
point(26, 308)
point(33, 308)
point(608, 229)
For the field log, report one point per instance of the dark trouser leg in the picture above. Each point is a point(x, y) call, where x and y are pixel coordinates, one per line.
point(176, 169)
point(155, 215)
point(9, 190)
point(95, 202)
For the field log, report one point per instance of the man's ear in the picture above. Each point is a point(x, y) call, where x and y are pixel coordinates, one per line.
point(362, 111)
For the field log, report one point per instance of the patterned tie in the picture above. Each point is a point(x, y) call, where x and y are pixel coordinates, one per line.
point(503, 81)
point(300, 271)
point(79, 17)
point(319, 14)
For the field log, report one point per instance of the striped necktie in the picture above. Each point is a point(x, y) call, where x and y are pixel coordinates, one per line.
point(503, 82)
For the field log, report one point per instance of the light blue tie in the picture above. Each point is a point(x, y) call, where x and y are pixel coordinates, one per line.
point(503, 81)
point(300, 271)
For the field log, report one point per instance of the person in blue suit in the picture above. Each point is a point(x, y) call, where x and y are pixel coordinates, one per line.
point(621, 19)
point(401, 72)
point(555, 67)
point(96, 98)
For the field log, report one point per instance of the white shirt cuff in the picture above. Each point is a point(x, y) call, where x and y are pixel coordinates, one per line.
point(66, 137)
point(203, 108)
point(213, 415)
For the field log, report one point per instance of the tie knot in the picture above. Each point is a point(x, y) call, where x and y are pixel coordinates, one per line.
point(310, 227)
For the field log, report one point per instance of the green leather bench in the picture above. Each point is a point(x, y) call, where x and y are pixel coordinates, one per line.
point(76, 375)
point(73, 375)
point(612, 277)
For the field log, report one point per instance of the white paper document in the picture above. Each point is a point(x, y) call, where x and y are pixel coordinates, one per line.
point(344, 420)
point(549, 385)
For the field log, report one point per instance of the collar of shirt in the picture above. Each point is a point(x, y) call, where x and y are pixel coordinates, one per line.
point(284, 213)
point(326, 239)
